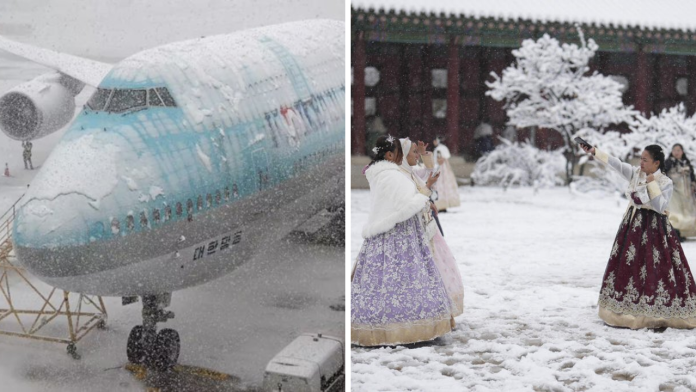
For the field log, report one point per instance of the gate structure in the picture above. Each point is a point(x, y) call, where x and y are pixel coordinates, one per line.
point(30, 309)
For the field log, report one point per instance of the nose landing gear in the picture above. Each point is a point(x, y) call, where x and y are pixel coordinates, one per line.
point(146, 346)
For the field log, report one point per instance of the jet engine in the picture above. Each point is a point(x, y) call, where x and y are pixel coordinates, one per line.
point(39, 107)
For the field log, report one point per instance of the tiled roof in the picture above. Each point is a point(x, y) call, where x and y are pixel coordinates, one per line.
point(645, 14)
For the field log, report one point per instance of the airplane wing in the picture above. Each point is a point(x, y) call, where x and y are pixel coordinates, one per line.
point(87, 71)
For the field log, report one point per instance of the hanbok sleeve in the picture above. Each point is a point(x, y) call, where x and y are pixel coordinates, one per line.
point(623, 168)
point(428, 160)
point(424, 173)
point(653, 194)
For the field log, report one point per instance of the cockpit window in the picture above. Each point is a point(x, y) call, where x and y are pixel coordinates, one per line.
point(166, 97)
point(124, 100)
point(98, 100)
point(153, 99)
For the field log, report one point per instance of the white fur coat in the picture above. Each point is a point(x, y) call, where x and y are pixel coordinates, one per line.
point(394, 198)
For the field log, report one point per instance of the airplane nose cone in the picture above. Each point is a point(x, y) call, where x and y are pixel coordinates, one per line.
point(62, 205)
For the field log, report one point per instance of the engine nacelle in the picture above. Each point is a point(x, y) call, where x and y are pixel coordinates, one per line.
point(39, 107)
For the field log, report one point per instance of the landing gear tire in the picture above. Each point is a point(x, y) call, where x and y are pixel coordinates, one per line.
point(140, 343)
point(167, 348)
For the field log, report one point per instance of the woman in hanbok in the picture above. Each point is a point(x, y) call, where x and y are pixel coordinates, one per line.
point(397, 292)
point(444, 260)
point(647, 283)
point(446, 188)
point(682, 209)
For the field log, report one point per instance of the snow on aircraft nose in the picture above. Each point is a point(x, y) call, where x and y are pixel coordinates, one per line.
point(61, 208)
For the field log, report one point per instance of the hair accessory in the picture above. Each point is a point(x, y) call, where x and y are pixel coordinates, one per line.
point(375, 150)
point(390, 139)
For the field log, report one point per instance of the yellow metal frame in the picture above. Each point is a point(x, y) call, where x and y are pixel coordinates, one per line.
point(85, 314)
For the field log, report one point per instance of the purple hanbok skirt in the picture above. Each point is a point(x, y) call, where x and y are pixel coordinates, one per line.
point(647, 283)
point(397, 293)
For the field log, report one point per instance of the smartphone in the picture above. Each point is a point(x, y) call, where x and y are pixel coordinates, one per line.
point(582, 142)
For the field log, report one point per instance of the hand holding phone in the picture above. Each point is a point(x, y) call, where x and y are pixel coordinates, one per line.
point(585, 145)
point(582, 142)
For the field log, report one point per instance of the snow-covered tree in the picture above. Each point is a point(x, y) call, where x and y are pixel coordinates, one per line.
point(666, 129)
point(519, 164)
point(549, 86)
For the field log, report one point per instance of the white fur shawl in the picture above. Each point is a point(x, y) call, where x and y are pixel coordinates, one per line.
point(393, 196)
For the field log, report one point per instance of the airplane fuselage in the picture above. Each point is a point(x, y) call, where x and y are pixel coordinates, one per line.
point(189, 159)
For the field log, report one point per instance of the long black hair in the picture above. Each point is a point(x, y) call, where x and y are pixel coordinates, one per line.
point(384, 145)
point(657, 154)
point(684, 158)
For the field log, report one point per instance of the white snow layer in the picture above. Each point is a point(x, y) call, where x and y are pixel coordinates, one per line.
point(532, 266)
point(667, 14)
point(204, 158)
point(94, 175)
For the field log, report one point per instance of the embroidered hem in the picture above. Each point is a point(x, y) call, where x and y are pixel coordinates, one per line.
point(399, 333)
point(641, 321)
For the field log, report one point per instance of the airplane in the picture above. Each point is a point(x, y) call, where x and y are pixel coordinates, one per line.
point(186, 161)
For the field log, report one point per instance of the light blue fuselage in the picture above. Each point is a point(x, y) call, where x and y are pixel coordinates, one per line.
point(156, 198)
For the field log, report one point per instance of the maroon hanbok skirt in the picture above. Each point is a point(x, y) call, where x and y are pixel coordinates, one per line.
point(647, 283)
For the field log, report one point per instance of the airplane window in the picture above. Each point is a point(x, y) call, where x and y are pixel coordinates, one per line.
point(218, 197)
point(179, 209)
point(143, 220)
point(168, 213)
point(209, 200)
point(115, 226)
point(227, 193)
point(130, 222)
point(156, 215)
point(166, 97)
point(199, 203)
point(124, 100)
point(99, 98)
point(153, 99)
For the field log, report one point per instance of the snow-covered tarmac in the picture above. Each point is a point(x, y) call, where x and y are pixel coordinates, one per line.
point(532, 266)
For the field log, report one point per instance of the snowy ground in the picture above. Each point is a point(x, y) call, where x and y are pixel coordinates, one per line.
point(532, 267)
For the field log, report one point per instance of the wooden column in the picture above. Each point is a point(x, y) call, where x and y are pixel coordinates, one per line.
point(642, 82)
point(426, 110)
point(691, 92)
point(453, 97)
point(358, 93)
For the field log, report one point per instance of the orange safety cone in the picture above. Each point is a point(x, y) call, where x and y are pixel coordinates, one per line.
point(7, 170)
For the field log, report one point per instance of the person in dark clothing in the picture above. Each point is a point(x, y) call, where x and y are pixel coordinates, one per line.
point(27, 155)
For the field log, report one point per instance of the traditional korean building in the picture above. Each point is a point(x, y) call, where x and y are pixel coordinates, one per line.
point(420, 66)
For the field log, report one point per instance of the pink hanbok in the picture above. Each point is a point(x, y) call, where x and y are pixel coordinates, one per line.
point(446, 186)
point(444, 259)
